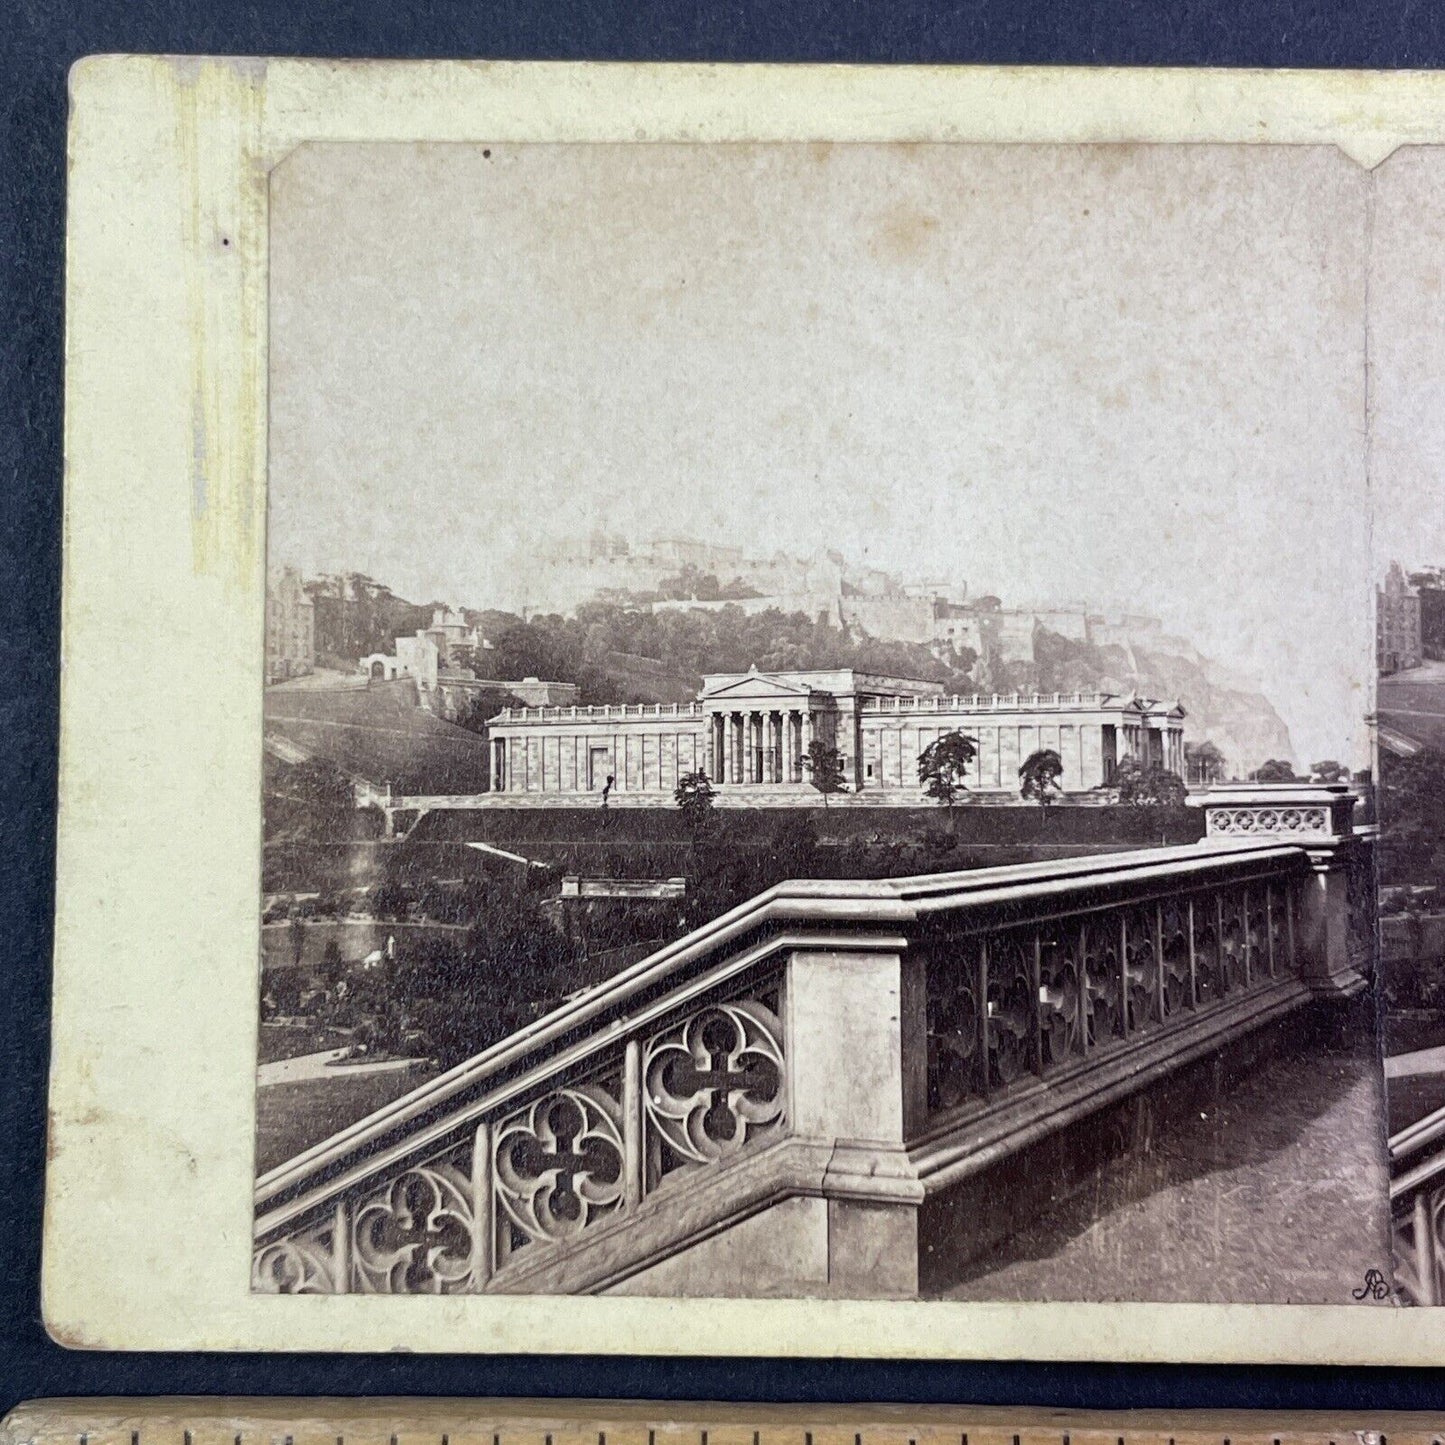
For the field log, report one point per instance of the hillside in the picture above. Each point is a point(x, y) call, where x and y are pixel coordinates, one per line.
point(1241, 723)
point(377, 732)
point(623, 653)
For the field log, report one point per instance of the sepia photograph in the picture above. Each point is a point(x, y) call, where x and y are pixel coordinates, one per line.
point(818, 726)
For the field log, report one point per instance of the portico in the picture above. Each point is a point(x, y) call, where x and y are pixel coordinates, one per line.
point(759, 728)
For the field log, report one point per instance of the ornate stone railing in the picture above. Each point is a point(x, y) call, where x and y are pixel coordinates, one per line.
point(553, 1160)
point(797, 1077)
point(1298, 810)
point(1031, 1000)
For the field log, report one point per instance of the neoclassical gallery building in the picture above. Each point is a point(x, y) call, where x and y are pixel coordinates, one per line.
point(749, 732)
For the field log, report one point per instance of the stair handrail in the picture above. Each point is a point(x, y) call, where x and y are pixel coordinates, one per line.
point(1417, 1135)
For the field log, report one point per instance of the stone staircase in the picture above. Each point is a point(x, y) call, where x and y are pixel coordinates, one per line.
point(813, 1093)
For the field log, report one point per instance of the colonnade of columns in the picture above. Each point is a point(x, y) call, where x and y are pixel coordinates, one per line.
point(758, 746)
point(1164, 746)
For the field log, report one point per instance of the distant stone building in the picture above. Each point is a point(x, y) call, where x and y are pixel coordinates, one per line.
point(442, 652)
point(536, 693)
point(457, 642)
point(1397, 623)
point(415, 657)
point(751, 731)
point(290, 628)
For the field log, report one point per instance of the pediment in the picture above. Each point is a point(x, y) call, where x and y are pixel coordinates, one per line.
point(757, 687)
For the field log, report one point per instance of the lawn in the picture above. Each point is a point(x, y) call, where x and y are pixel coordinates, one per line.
point(293, 1116)
point(1416, 709)
point(291, 1041)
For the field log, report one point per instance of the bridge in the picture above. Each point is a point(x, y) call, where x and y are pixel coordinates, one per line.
point(810, 1094)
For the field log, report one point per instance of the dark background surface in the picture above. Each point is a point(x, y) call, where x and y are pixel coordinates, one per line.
point(38, 41)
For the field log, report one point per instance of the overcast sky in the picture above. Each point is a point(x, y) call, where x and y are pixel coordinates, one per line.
point(1129, 375)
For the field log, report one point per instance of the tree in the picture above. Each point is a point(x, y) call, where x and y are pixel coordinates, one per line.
point(943, 765)
point(512, 967)
point(281, 986)
point(483, 705)
point(1330, 771)
point(1039, 776)
point(1153, 790)
point(825, 768)
point(333, 966)
point(1411, 804)
point(308, 802)
point(1148, 785)
point(1276, 770)
point(1203, 762)
point(694, 795)
point(391, 901)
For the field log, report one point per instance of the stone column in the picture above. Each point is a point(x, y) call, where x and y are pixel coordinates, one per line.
point(776, 729)
point(1324, 934)
point(1318, 818)
point(787, 753)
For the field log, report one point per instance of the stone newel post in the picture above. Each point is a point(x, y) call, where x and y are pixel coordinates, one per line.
point(856, 1039)
point(1319, 817)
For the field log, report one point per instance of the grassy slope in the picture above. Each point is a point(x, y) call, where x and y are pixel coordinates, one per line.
point(379, 733)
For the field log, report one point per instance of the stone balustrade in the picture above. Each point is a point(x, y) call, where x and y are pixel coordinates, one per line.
point(986, 702)
point(770, 1104)
point(600, 712)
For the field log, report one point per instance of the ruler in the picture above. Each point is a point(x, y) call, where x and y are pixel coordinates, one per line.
point(321, 1421)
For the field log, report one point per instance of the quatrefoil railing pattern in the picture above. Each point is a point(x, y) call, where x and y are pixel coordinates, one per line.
point(1251, 822)
point(559, 1166)
point(713, 1084)
point(690, 1095)
point(416, 1235)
